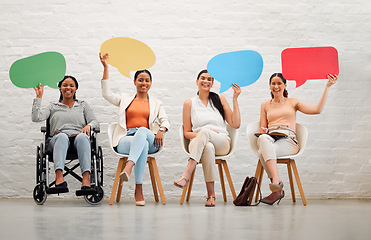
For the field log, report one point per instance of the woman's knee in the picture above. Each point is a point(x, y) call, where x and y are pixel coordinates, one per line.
point(209, 148)
point(82, 137)
point(61, 137)
point(204, 132)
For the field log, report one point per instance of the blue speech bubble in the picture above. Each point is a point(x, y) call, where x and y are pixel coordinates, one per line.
point(240, 67)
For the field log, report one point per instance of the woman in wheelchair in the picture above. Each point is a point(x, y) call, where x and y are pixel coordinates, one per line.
point(204, 123)
point(142, 121)
point(70, 120)
point(278, 120)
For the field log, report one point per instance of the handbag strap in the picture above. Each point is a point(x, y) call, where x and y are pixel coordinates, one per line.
point(260, 194)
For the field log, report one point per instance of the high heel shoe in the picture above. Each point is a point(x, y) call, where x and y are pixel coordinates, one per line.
point(274, 197)
point(124, 176)
point(276, 187)
point(140, 203)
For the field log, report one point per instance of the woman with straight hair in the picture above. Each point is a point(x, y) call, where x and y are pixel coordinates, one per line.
point(278, 115)
point(204, 124)
point(142, 121)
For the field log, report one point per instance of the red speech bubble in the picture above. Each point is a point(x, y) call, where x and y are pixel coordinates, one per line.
point(302, 64)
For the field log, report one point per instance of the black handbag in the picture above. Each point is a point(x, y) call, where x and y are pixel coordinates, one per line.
point(247, 193)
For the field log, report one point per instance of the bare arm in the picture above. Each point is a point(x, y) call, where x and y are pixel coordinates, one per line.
point(263, 119)
point(310, 109)
point(233, 118)
point(187, 124)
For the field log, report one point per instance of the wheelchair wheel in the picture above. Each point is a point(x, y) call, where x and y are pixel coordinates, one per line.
point(39, 194)
point(95, 198)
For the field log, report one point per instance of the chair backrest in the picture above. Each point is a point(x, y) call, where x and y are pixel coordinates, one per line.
point(110, 130)
point(301, 135)
point(233, 134)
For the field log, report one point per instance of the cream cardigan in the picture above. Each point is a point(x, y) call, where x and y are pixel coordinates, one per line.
point(157, 115)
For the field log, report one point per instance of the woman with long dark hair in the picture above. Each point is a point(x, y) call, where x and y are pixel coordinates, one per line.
point(279, 115)
point(204, 124)
point(142, 121)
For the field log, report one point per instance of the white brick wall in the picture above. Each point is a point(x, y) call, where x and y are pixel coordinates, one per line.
point(184, 36)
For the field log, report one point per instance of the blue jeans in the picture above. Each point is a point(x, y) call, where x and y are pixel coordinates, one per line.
point(59, 143)
point(137, 143)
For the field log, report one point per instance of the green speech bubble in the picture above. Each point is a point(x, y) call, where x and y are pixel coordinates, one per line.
point(47, 68)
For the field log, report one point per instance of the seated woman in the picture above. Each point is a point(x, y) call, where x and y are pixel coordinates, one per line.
point(142, 121)
point(279, 115)
point(204, 123)
point(68, 117)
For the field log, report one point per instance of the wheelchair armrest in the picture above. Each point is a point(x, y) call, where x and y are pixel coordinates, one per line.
point(43, 129)
point(96, 129)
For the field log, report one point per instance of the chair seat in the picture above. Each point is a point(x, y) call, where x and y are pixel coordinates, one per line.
point(302, 135)
point(222, 164)
point(153, 170)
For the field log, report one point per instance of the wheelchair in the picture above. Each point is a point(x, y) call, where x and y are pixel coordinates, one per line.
point(43, 187)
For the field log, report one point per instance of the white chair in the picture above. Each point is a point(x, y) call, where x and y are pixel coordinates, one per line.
point(301, 135)
point(233, 134)
point(153, 171)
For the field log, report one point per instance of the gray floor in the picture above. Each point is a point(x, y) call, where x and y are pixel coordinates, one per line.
point(75, 219)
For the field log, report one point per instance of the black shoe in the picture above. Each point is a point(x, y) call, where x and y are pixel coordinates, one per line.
point(61, 185)
point(85, 190)
point(59, 188)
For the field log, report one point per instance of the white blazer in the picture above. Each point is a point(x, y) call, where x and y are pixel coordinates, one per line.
point(157, 115)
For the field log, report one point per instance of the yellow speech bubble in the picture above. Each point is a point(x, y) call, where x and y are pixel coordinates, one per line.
point(128, 54)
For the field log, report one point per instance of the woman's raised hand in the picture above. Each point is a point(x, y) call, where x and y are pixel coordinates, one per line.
point(103, 59)
point(236, 90)
point(331, 80)
point(39, 91)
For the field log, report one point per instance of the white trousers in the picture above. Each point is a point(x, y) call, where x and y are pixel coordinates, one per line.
point(205, 146)
point(269, 149)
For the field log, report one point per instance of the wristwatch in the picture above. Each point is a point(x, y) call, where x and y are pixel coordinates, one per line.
point(162, 129)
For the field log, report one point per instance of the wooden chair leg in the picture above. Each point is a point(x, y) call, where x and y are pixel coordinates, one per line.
point(158, 180)
point(187, 187)
point(230, 182)
point(289, 171)
point(121, 183)
point(298, 182)
point(259, 179)
point(120, 166)
point(153, 180)
point(190, 184)
point(183, 194)
point(257, 174)
point(221, 176)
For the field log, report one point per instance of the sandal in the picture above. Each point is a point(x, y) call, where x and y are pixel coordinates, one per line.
point(211, 201)
point(176, 183)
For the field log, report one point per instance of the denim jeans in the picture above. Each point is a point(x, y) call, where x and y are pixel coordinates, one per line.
point(137, 143)
point(59, 143)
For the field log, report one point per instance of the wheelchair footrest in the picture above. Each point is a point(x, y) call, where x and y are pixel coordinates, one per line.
point(86, 191)
point(55, 190)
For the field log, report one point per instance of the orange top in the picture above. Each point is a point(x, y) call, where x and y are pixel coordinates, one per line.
point(137, 114)
point(282, 115)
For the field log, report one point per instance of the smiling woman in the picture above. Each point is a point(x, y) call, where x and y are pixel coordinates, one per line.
point(204, 124)
point(142, 121)
point(279, 115)
point(62, 126)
